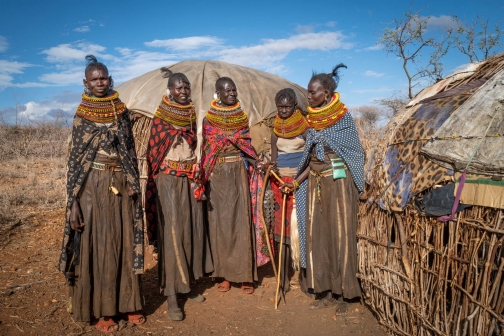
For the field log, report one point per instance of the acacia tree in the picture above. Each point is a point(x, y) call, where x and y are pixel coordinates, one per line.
point(406, 39)
point(476, 40)
point(393, 104)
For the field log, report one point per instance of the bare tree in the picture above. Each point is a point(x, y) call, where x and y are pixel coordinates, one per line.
point(369, 113)
point(407, 39)
point(477, 40)
point(394, 103)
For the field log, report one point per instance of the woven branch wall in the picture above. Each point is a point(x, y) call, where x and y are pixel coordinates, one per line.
point(425, 277)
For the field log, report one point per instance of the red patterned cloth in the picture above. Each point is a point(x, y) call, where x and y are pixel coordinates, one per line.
point(214, 142)
point(162, 137)
point(220, 141)
point(277, 229)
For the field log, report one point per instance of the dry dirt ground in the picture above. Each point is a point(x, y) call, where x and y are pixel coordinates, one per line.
point(33, 294)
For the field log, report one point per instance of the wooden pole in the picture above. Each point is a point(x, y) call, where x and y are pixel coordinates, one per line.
point(284, 201)
point(261, 210)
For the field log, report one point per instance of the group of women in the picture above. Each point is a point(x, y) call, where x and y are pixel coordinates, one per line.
point(202, 210)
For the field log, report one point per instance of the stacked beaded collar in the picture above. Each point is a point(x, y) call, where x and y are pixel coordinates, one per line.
point(326, 116)
point(101, 110)
point(291, 127)
point(227, 118)
point(176, 114)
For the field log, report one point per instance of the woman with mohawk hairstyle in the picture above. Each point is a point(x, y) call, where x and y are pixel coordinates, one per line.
point(102, 253)
point(332, 171)
point(174, 216)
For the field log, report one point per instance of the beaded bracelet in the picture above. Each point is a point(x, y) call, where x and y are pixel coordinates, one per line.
point(295, 183)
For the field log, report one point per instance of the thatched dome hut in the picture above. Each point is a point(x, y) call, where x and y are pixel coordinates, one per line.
point(256, 91)
point(422, 275)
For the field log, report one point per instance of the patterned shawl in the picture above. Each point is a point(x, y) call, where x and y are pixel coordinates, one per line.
point(215, 141)
point(162, 137)
point(343, 139)
point(87, 136)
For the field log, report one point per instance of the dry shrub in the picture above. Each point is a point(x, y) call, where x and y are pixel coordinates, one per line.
point(33, 142)
point(32, 173)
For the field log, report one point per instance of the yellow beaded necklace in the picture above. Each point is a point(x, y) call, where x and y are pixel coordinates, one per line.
point(227, 118)
point(291, 127)
point(101, 110)
point(176, 114)
point(320, 118)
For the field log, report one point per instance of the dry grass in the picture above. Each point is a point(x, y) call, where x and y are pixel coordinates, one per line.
point(369, 133)
point(32, 171)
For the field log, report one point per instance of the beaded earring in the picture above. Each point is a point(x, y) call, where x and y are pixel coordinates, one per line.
point(87, 91)
point(168, 93)
point(216, 97)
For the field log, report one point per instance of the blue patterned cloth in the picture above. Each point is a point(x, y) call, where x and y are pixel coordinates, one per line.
point(343, 139)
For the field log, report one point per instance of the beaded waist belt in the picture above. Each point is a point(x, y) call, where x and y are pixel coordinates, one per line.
point(325, 173)
point(234, 158)
point(179, 166)
point(103, 166)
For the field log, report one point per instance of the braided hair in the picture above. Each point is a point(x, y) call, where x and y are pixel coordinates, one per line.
point(286, 93)
point(329, 81)
point(174, 77)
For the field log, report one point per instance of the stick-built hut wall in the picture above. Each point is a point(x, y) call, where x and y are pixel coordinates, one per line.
point(419, 275)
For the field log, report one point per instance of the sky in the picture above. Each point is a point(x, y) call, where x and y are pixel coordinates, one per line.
point(43, 43)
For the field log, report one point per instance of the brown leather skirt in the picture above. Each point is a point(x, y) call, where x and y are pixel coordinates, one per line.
point(230, 223)
point(105, 284)
point(331, 233)
point(183, 248)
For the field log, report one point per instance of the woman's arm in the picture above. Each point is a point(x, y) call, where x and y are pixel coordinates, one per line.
point(290, 186)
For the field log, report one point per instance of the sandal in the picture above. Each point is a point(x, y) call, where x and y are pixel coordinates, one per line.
point(224, 286)
point(175, 314)
point(247, 288)
point(136, 318)
point(341, 308)
point(324, 303)
point(107, 325)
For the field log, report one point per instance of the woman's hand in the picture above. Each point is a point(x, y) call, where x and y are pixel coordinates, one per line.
point(287, 187)
point(272, 165)
point(76, 221)
point(131, 192)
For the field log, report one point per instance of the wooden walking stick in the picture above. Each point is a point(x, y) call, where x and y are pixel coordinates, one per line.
point(261, 210)
point(284, 203)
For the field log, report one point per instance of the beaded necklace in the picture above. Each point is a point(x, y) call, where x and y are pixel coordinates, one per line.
point(227, 118)
point(101, 110)
point(176, 114)
point(320, 118)
point(291, 127)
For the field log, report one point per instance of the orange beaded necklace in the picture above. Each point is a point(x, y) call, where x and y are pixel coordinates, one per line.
point(101, 110)
point(291, 127)
point(320, 118)
point(227, 118)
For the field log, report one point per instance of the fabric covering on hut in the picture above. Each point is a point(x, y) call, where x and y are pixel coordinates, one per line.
point(431, 231)
point(256, 92)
